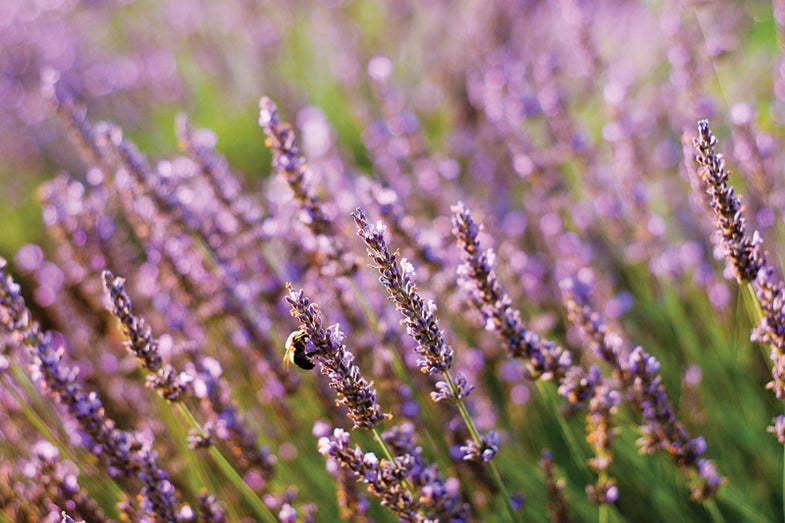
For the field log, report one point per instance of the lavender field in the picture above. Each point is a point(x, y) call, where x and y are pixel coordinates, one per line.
point(387, 261)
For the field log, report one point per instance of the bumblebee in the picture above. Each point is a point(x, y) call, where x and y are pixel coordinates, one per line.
point(295, 351)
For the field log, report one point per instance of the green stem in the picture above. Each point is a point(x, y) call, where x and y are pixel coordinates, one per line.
point(261, 511)
point(401, 371)
point(576, 450)
point(758, 316)
point(742, 503)
point(369, 313)
point(757, 312)
point(603, 513)
point(713, 509)
point(388, 454)
point(385, 448)
point(35, 420)
point(475, 434)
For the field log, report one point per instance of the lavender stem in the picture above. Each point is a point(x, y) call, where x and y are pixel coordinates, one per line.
point(261, 510)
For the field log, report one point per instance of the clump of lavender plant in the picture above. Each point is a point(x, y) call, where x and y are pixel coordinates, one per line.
point(437, 495)
point(124, 453)
point(544, 358)
point(637, 372)
point(409, 469)
point(422, 325)
point(634, 370)
point(172, 385)
point(566, 143)
point(386, 479)
point(436, 356)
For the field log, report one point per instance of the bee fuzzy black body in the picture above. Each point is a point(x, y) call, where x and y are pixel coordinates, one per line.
point(295, 351)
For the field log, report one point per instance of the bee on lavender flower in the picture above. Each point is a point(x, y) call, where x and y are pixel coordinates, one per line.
point(295, 351)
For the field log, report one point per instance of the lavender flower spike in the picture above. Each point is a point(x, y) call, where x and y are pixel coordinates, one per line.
point(439, 497)
point(384, 478)
point(140, 341)
point(337, 363)
point(288, 161)
point(545, 359)
point(745, 254)
point(418, 316)
point(741, 251)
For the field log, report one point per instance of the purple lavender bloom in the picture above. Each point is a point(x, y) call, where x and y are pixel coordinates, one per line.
point(771, 328)
point(438, 496)
point(418, 316)
point(445, 393)
point(485, 451)
point(210, 510)
point(165, 380)
point(578, 385)
point(421, 323)
point(352, 504)
point(385, 479)
point(337, 363)
point(741, 251)
point(603, 492)
point(287, 514)
point(203, 437)
point(545, 359)
point(288, 162)
point(778, 428)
